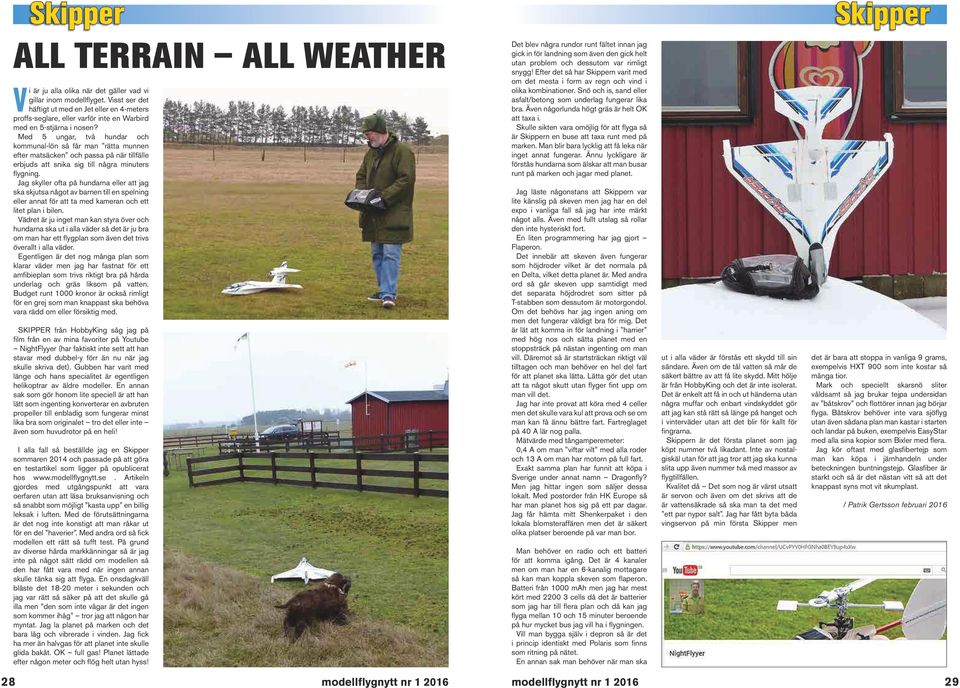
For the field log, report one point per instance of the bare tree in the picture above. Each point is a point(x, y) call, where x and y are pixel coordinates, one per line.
point(246, 122)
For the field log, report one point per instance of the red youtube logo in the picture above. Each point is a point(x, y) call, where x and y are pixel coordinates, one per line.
point(690, 569)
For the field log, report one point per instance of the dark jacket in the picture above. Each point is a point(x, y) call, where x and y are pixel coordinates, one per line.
point(392, 168)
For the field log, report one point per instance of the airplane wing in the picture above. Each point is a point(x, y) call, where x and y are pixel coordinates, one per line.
point(854, 167)
point(813, 107)
point(279, 281)
point(244, 288)
point(769, 172)
point(811, 191)
point(304, 570)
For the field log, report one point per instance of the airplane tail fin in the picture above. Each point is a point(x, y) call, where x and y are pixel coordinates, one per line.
point(813, 107)
point(280, 273)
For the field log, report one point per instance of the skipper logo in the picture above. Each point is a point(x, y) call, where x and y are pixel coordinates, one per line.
point(686, 570)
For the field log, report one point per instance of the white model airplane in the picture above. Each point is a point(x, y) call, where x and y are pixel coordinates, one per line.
point(279, 281)
point(304, 570)
point(811, 185)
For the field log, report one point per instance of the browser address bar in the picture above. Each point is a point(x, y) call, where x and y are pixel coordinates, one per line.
point(935, 548)
point(834, 570)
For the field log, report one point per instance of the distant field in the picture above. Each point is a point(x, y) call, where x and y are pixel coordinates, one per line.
point(222, 544)
point(230, 216)
point(746, 609)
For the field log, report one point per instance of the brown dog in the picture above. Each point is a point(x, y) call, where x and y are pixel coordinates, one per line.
point(326, 601)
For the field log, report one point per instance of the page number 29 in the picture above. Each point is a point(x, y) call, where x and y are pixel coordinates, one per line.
point(951, 681)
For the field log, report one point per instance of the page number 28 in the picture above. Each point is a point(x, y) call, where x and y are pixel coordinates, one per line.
point(8, 681)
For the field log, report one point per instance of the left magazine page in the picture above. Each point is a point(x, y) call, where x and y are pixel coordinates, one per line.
point(226, 332)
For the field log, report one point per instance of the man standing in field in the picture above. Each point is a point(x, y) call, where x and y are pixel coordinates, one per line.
point(693, 603)
point(390, 167)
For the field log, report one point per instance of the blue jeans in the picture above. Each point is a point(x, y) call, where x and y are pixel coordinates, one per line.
point(386, 266)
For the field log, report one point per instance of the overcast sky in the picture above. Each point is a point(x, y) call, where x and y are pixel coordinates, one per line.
point(429, 103)
point(206, 379)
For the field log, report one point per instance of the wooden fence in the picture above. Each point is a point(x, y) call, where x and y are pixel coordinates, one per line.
point(322, 440)
point(188, 441)
point(401, 442)
point(238, 465)
point(412, 440)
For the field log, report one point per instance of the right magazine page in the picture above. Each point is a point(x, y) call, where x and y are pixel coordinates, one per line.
point(729, 369)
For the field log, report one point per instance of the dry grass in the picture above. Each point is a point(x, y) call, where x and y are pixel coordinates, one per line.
point(243, 165)
point(234, 218)
point(217, 616)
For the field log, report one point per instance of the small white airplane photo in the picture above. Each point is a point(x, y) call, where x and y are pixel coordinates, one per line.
point(304, 570)
point(279, 282)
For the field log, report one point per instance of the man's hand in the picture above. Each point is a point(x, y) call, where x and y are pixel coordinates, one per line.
point(375, 199)
point(365, 199)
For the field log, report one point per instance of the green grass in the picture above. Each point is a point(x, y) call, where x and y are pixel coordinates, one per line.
point(746, 609)
point(218, 616)
point(217, 233)
point(394, 548)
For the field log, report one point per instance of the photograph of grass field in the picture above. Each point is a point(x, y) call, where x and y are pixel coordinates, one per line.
point(242, 505)
point(222, 544)
point(746, 609)
point(232, 213)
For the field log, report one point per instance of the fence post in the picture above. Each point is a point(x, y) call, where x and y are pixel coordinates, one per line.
point(359, 458)
point(313, 470)
point(416, 474)
point(240, 466)
point(190, 472)
point(273, 466)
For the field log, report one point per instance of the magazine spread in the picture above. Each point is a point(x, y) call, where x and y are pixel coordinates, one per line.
point(683, 266)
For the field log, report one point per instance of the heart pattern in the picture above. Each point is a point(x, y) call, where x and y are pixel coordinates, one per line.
point(821, 76)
